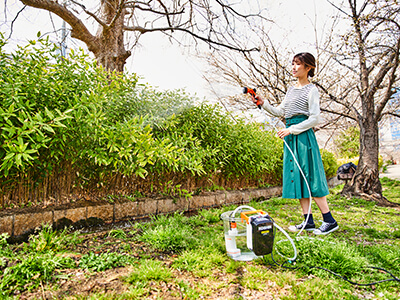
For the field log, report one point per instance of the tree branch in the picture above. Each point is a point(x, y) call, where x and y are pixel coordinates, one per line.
point(78, 31)
point(104, 25)
point(13, 21)
point(390, 113)
point(380, 76)
point(228, 7)
point(166, 13)
point(339, 9)
point(389, 89)
point(208, 40)
point(334, 112)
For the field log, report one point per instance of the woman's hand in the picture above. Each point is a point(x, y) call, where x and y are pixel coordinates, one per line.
point(283, 132)
point(257, 100)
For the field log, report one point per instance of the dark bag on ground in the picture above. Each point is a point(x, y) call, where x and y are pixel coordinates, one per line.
point(346, 171)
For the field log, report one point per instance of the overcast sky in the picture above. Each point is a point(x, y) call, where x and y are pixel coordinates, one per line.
point(156, 60)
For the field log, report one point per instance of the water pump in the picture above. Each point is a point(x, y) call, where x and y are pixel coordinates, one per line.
point(250, 233)
point(260, 232)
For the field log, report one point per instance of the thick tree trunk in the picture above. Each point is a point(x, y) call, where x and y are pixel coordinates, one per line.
point(365, 182)
point(108, 45)
point(111, 53)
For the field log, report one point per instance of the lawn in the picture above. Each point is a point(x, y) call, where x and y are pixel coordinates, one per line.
point(184, 257)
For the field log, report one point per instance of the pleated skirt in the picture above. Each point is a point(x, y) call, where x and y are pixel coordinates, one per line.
point(305, 149)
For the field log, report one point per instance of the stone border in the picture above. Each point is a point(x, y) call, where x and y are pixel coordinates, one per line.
point(19, 222)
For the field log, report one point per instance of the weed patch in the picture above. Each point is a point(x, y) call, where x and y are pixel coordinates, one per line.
point(168, 234)
point(149, 270)
point(29, 273)
point(201, 261)
point(104, 261)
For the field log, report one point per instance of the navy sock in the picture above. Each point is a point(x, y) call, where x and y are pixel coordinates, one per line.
point(310, 219)
point(328, 217)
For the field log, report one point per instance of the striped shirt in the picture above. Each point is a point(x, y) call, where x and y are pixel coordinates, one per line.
point(298, 101)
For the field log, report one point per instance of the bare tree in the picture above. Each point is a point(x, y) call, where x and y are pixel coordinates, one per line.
point(213, 22)
point(370, 51)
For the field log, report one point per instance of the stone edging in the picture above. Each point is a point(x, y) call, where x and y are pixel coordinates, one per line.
point(17, 222)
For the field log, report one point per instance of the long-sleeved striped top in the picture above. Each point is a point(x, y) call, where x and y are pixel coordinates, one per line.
point(298, 101)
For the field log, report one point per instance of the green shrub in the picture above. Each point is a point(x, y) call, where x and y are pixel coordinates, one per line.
point(211, 139)
point(57, 112)
point(5, 250)
point(380, 162)
point(144, 100)
point(330, 163)
point(40, 91)
point(348, 142)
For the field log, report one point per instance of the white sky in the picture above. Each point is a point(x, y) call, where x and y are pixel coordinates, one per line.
point(166, 66)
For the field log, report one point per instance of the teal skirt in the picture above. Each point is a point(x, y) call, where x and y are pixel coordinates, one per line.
point(306, 150)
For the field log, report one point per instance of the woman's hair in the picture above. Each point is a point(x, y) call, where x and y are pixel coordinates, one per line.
point(308, 60)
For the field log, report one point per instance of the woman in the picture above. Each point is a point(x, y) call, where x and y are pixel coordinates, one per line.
point(301, 111)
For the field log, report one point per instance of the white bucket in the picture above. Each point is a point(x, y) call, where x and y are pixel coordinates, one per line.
point(235, 232)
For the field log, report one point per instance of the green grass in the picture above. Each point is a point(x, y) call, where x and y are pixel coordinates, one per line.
point(200, 261)
point(391, 189)
point(149, 270)
point(180, 257)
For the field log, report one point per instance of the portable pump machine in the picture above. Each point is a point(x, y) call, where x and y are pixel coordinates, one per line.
point(249, 233)
point(260, 232)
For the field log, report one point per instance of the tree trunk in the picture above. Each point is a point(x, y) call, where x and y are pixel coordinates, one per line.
point(108, 45)
point(111, 53)
point(365, 182)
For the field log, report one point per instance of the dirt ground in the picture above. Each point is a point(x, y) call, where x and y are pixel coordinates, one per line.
point(84, 283)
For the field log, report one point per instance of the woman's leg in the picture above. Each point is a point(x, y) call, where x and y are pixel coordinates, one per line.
point(305, 205)
point(322, 204)
point(306, 209)
point(329, 225)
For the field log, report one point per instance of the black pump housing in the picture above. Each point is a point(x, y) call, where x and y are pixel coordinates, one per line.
point(262, 235)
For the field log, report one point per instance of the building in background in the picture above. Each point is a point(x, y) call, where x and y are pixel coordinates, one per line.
point(389, 135)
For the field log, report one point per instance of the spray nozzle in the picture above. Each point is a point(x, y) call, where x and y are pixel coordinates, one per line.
point(252, 92)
